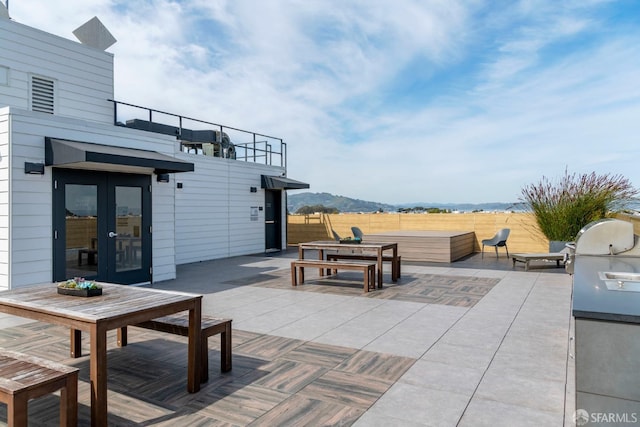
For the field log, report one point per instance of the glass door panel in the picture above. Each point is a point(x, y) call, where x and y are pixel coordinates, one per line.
point(81, 220)
point(128, 226)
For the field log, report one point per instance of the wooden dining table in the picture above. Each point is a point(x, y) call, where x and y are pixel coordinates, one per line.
point(378, 247)
point(117, 307)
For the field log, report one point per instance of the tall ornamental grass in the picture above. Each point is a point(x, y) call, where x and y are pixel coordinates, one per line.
point(562, 208)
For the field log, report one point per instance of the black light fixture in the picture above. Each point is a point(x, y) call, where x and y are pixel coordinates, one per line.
point(34, 168)
point(163, 177)
point(253, 189)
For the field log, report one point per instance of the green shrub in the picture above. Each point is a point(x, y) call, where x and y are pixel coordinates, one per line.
point(562, 208)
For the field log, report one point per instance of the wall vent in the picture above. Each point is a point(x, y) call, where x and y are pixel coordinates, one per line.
point(42, 95)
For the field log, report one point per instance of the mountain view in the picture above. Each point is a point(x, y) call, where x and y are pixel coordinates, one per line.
point(346, 204)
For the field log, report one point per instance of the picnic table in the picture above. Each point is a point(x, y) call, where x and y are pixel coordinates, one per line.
point(117, 307)
point(379, 248)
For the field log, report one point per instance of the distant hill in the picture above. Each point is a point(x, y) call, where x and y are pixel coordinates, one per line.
point(346, 204)
point(343, 204)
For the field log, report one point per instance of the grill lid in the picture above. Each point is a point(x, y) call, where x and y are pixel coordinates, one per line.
point(605, 237)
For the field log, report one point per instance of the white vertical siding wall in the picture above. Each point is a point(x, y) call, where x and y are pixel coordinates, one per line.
point(30, 199)
point(213, 209)
point(83, 75)
point(4, 199)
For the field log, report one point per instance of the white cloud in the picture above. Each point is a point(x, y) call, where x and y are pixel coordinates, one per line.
point(321, 75)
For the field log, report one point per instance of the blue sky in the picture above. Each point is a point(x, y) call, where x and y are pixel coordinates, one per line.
point(391, 101)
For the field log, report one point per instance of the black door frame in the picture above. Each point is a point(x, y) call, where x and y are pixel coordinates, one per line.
point(106, 183)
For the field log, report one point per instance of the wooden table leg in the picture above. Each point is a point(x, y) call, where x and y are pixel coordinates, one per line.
point(321, 258)
point(380, 268)
point(75, 337)
point(122, 337)
point(194, 352)
point(98, 374)
point(396, 265)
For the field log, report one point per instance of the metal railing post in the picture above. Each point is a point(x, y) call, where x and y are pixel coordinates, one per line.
point(254, 147)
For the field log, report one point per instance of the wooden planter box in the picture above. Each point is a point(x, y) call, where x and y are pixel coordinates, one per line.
point(80, 292)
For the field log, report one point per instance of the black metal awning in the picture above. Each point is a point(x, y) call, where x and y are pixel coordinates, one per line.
point(281, 183)
point(86, 155)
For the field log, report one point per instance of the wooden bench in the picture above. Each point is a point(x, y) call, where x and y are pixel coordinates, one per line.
point(527, 258)
point(368, 270)
point(178, 324)
point(395, 267)
point(24, 377)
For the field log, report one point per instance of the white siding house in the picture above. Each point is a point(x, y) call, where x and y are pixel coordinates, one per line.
point(82, 195)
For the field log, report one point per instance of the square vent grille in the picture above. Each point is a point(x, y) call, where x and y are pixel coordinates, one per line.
point(42, 95)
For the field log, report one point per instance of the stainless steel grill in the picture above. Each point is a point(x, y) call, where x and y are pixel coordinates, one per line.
point(604, 237)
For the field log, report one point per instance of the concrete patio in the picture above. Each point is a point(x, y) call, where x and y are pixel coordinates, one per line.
point(471, 343)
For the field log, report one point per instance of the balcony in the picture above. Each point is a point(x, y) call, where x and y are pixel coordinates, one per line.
point(202, 137)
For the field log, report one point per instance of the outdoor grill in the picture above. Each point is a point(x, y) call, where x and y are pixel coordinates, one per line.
point(604, 237)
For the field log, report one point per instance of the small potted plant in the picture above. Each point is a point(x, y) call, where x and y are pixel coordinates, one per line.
point(79, 286)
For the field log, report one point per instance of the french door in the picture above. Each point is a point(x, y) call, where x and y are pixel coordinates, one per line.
point(101, 226)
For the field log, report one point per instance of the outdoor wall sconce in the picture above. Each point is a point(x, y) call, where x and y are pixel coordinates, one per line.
point(253, 189)
point(179, 185)
point(34, 168)
point(163, 177)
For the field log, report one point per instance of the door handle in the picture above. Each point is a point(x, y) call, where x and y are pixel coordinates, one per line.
point(269, 222)
point(112, 234)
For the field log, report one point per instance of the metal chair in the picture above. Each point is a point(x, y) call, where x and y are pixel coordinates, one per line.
point(357, 233)
point(500, 239)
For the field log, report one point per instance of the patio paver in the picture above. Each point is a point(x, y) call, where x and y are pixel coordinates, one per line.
point(497, 355)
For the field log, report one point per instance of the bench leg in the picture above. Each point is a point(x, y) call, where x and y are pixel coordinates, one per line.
point(294, 282)
point(204, 359)
point(225, 348)
point(75, 338)
point(367, 277)
point(225, 353)
point(69, 401)
point(301, 274)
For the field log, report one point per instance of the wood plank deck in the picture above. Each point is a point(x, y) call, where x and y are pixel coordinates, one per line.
point(274, 381)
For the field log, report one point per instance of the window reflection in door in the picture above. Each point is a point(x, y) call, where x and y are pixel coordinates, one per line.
point(128, 227)
point(81, 204)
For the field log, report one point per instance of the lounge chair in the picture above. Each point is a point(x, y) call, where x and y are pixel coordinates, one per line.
point(357, 233)
point(500, 239)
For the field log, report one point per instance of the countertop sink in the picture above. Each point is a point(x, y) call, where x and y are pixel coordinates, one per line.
point(616, 281)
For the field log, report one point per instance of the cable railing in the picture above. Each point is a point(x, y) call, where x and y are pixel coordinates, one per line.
point(203, 137)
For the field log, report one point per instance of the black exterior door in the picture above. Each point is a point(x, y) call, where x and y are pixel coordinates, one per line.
point(102, 226)
point(272, 219)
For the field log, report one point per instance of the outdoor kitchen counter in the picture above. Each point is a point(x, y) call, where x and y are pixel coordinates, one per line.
point(592, 299)
point(607, 341)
